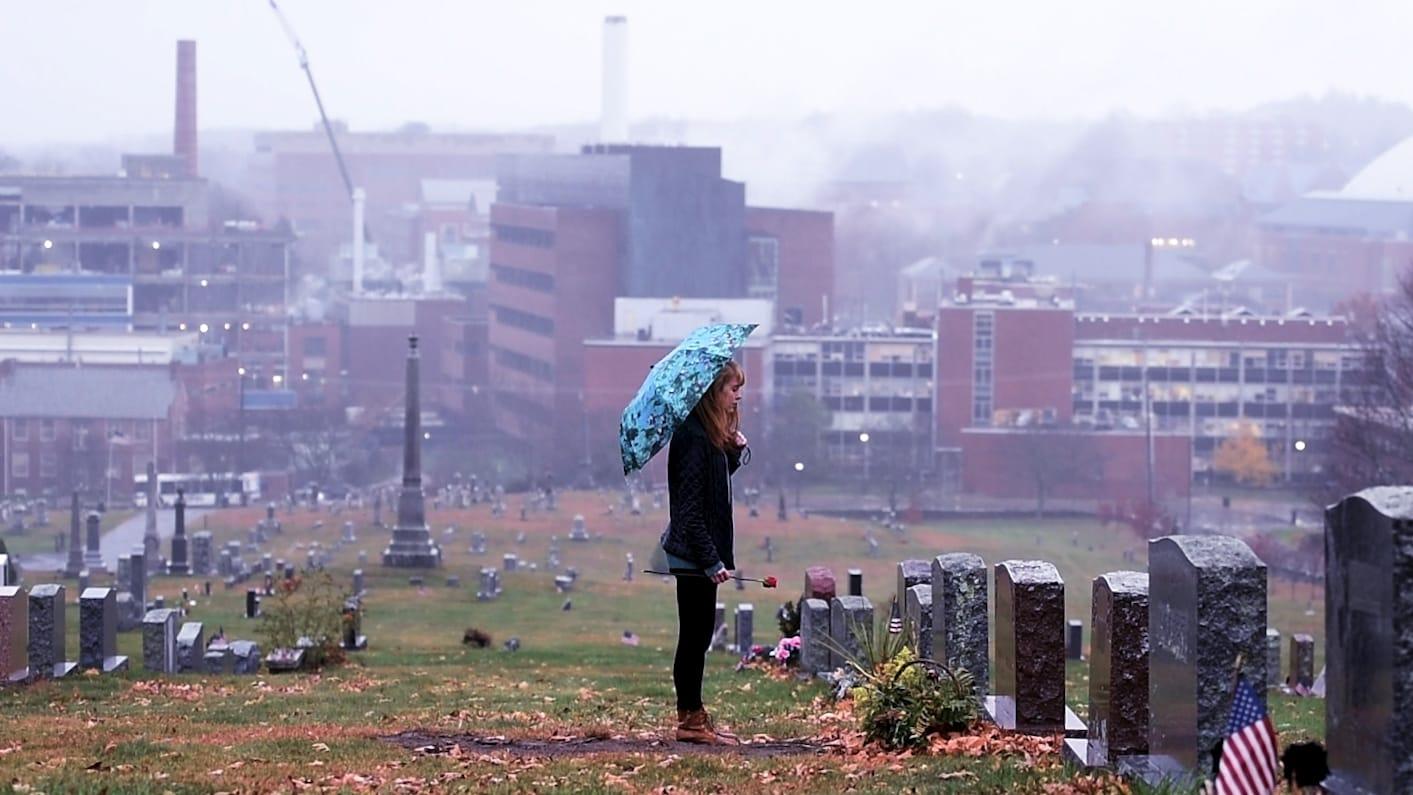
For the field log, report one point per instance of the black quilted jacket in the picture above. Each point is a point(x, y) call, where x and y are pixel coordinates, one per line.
point(699, 498)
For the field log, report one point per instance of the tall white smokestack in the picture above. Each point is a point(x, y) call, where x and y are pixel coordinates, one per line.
point(358, 198)
point(431, 264)
point(613, 113)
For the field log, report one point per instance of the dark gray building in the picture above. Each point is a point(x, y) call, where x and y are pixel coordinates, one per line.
point(681, 222)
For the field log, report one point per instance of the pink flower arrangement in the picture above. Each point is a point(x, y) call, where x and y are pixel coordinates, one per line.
point(786, 650)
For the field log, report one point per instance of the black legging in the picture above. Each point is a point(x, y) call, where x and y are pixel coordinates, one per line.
point(696, 619)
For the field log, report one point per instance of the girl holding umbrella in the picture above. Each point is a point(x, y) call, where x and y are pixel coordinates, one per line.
point(692, 397)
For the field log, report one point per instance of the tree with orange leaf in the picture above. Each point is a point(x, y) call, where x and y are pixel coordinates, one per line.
point(1244, 457)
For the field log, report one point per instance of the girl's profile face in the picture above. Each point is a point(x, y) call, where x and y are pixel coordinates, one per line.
point(729, 396)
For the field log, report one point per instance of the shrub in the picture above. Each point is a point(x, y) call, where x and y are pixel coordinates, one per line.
point(788, 616)
point(306, 608)
point(905, 699)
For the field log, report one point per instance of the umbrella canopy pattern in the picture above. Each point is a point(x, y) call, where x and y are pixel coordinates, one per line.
point(672, 389)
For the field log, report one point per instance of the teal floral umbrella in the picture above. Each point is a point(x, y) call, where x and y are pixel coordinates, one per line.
point(672, 389)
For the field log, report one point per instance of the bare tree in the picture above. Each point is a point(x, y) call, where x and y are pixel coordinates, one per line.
point(1056, 457)
point(1373, 435)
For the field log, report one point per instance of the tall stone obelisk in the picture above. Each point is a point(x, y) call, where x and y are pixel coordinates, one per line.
point(178, 565)
point(151, 542)
point(412, 546)
point(75, 564)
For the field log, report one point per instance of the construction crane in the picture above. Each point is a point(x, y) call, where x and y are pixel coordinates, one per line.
point(356, 195)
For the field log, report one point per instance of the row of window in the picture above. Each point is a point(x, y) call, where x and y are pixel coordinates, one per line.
point(1227, 375)
point(523, 235)
point(48, 465)
point(1163, 408)
point(520, 363)
point(21, 429)
point(874, 369)
point(877, 404)
point(520, 277)
point(525, 321)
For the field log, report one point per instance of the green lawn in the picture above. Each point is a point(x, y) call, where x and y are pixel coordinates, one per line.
point(40, 540)
point(572, 675)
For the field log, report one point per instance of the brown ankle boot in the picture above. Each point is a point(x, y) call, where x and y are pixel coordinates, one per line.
point(695, 726)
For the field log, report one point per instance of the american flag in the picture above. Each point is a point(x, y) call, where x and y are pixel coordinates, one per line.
point(1250, 763)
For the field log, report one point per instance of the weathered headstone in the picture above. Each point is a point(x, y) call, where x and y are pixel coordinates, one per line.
point(252, 603)
point(563, 584)
point(353, 637)
point(1206, 606)
point(218, 659)
point(815, 654)
point(159, 641)
point(850, 617)
point(819, 583)
point(1030, 648)
point(960, 624)
point(189, 647)
point(98, 631)
point(129, 611)
point(1302, 660)
point(124, 573)
point(200, 554)
point(1273, 657)
point(1368, 657)
point(577, 530)
point(910, 573)
point(14, 634)
point(151, 542)
point(137, 578)
point(745, 628)
point(412, 545)
point(1118, 671)
point(855, 582)
point(48, 641)
point(509, 561)
point(718, 628)
point(919, 619)
point(246, 654)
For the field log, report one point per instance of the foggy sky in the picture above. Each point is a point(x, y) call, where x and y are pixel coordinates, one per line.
point(86, 70)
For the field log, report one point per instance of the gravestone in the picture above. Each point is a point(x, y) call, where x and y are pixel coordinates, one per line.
point(179, 565)
point(200, 554)
point(412, 545)
point(1074, 639)
point(358, 582)
point(628, 567)
point(563, 584)
point(218, 659)
point(961, 636)
point(850, 617)
point(267, 563)
point(129, 612)
point(189, 647)
point(137, 578)
point(1030, 648)
point(815, 654)
point(1206, 606)
point(910, 573)
point(348, 535)
point(252, 603)
point(98, 631)
point(1302, 660)
point(124, 572)
point(509, 561)
point(577, 529)
point(1273, 657)
point(280, 661)
point(159, 641)
point(819, 583)
point(855, 582)
point(83, 580)
point(1368, 658)
point(745, 628)
point(226, 568)
point(919, 613)
point(246, 657)
point(48, 640)
point(93, 554)
point(718, 628)
point(353, 637)
point(14, 634)
point(453, 581)
point(1118, 672)
point(737, 576)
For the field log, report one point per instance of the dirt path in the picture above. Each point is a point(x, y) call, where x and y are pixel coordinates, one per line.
point(434, 743)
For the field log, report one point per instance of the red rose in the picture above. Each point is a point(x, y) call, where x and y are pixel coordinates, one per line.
point(768, 582)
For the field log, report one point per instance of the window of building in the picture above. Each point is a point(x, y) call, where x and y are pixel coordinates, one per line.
point(762, 267)
point(520, 277)
point(983, 338)
point(48, 465)
point(19, 465)
point(523, 320)
point(46, 430)
point(523, 235)
point(315, 346)
point(20, 430)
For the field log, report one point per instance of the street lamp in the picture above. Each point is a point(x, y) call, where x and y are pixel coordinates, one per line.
point(799, 477)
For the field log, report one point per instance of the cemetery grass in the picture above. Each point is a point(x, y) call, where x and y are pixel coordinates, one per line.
point(572, 677)
point(40, 540)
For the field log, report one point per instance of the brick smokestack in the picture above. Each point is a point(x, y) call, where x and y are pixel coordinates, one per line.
point(184, 137)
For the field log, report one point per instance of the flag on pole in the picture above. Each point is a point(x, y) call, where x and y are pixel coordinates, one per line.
point(1250, 762)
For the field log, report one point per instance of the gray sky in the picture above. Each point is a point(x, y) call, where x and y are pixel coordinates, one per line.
point(78, 70)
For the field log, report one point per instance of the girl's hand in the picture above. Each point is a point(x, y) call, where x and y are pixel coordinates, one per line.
point(721, 576)
point(740, 439)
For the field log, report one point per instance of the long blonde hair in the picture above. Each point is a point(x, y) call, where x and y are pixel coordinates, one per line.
point(721, 424)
